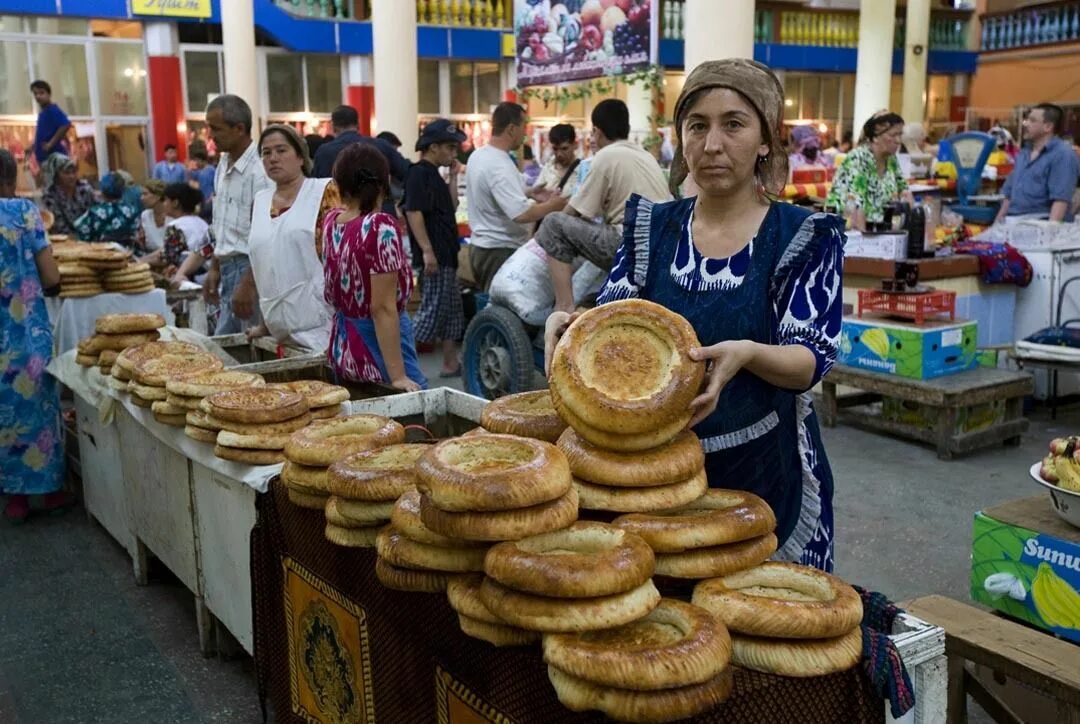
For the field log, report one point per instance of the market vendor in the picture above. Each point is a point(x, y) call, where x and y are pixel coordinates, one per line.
point(1044, 180)
point(869, 177)
point(286, 243)
point(760, 281)
point(806, 150)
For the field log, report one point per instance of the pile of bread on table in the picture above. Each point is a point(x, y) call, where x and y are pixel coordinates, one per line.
point(88, 269)
point(245, 418)
point(491, 518)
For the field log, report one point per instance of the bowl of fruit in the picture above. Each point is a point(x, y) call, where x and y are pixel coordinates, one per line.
point(1059, 473)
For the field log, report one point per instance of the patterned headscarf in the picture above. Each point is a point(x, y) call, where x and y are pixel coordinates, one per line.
point(53, 165)
point(112, 186)
point(762, 89)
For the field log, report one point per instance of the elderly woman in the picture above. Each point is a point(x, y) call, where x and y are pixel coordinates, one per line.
point(760, 281)
point(151, 234)
point(66, 195)
point(869, 177)
point(114, 219)
point(286, 244)
point(32, 454)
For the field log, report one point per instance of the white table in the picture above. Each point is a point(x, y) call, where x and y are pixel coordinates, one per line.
point(76, 317)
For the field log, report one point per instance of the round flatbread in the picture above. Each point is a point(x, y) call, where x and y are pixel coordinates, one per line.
point(251, 457)
point(318, 393)
point(256, 405)
point(200, 433)
point(129, 358)
point(203, 384)
point(128, 323)
point(158, 370)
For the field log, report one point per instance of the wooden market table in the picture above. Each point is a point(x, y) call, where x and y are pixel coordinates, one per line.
point(946, 395)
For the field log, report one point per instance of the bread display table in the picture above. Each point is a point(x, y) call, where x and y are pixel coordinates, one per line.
point(946, 407)
point(77, 316)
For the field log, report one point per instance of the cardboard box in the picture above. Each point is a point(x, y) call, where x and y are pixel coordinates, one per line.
point(892, 246)
point(920, 352)
point(1025, 562)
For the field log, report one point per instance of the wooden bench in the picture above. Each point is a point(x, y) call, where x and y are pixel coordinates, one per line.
point(1032, 658)
point(944, 395)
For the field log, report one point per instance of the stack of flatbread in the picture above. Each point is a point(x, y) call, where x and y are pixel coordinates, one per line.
point(254, 423)
point(83, 267)
point(147, 385)
point(123, 369)
point(324, 400)
point(114, 333)
point(184, 395)
point(131, 279)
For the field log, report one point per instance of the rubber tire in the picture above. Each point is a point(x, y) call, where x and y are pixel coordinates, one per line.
point(514, 340)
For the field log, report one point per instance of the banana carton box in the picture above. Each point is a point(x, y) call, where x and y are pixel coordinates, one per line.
point(1028, 575)
point(920, 352)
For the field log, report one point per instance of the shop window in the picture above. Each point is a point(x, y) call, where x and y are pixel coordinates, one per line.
point(830, 97)
point(462, 92)
point(428, 87)
point(488, 87)
point(202, 72)
point(323, 83)
point(938, 98)
point(58, 26)
point(811, 97)
point(63, 66)
point(15, 96)
point(285, 73)
point(121, 79)
point(11, 23)
point(128, 29)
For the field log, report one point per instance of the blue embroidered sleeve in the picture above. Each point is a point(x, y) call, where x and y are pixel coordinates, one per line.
point(808, 295)
point(631, 264)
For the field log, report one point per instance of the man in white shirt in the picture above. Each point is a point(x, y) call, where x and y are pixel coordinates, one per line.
point(240, 174)
point(592, 224)
point(560, 173)
point(498, 206)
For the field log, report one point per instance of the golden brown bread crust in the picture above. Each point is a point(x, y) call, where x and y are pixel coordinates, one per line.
point(255, 405)
point(619, 442)
point(317, 392)
point(334, 517)
point(624, 367)
point(560, 615)
point(307, 500)
point(376, 475)
point(305, 475)
point(128, 323)
point(200, 433)
point(132, 356)
point(496, 634)
point(119, 342)
point(492, 473)
point(646, 707)
point(147, 392)
point(156, 371)
point(361, 513)
point(699, 563)
point(676, 644)
point(501, 525)
point(198, 418)
point(782, 600)
point(324, 442)
point(635, 500)
point(203, 384)
point(526, 414)
point(670, 463)
point(798, 657)
point(587, 559)
point(285, 427)
point(252, 442)
point(186, 403)
point(406, 579)
point(463, 593)
point(716, 518)
point(406, 518)
point(250, 457)
point(170, 420)
point(86, 360)
point(399, 551)
point(351, 537)
point(162, 407)
point(140, 402)
point(324, 413)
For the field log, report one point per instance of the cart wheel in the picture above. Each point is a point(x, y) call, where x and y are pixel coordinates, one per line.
point(497, 354)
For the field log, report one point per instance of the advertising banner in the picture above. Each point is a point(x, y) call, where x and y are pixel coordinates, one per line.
point(172, 8)
point(577, 40)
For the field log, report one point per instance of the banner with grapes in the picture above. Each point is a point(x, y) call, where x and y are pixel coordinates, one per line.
point(568, 40)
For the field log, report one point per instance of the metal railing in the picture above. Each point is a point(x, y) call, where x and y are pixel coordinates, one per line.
point(1032, 26)
point(672, 22)
point(454, 13)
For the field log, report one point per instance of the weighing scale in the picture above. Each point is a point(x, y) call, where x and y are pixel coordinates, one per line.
point(969, 152)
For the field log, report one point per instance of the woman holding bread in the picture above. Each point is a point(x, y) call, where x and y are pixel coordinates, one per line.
point(286, 245)
point(760, 282)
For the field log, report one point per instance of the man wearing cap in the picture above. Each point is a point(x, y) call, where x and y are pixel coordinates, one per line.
point(429, 205)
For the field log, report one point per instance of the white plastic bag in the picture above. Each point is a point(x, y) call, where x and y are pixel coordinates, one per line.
point(523, 284)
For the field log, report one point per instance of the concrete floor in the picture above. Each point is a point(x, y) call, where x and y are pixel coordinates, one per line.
point(80, 642)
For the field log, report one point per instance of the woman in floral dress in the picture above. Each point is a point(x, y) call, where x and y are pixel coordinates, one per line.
point(31, 444)
point(368, 280)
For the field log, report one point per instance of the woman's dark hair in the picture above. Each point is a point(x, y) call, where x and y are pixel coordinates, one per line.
point(187, 197)
point(562, 133)
point(879, 123)
point(293, 137)
point(362, 175)
point(9, 170)
point(613, 118)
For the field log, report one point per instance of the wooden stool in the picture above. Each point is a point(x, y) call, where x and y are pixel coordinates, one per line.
point(945, 395)
point(1029, 657)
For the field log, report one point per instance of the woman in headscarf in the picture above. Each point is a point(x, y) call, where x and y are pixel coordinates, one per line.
point(152, 221)
point(66, 195)
point(286, 243)
point(760, 281)
point(869, 178)
point(806, 149)
point(32, 452)
point(114, 219)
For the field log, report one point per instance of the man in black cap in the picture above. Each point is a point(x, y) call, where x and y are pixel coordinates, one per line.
point(429, 206)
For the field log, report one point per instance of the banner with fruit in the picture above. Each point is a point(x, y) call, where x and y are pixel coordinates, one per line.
point(580, 39)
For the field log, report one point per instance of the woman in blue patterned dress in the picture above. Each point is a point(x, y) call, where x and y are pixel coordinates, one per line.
point(760, 281)
point(31, 443)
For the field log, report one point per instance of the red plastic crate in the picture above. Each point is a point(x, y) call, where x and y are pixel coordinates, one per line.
point(916, 307)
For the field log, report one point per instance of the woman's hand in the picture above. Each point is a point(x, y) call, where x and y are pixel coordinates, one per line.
point(556, 324)
point(405, 385)
point(723, 361)
point(257, 331)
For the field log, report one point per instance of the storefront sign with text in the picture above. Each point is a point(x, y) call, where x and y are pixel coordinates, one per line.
point(172, 8)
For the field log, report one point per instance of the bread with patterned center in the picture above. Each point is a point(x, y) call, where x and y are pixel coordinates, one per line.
point(156, 371)
point(255, 405)
point(202, 384)
point(318, 393)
